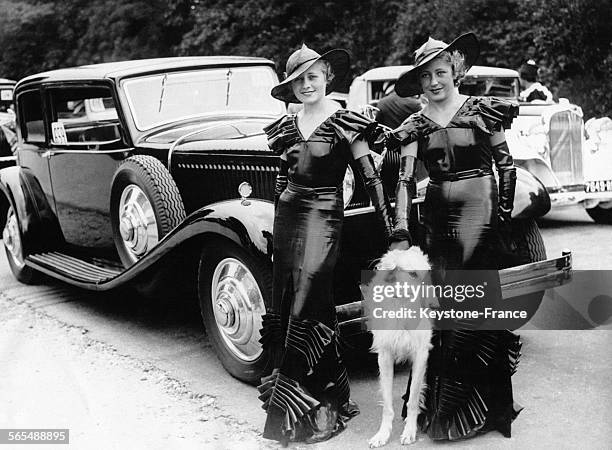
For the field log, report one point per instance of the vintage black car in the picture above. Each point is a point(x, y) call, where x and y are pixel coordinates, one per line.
point(157, 174)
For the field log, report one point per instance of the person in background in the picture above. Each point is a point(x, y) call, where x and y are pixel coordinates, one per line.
point(532, 89)
point(393, 109)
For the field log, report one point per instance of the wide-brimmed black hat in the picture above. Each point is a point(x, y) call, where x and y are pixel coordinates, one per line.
point(408, 83)
point(301, 60)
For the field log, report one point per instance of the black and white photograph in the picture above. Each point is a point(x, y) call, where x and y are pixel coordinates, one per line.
point(312, 224)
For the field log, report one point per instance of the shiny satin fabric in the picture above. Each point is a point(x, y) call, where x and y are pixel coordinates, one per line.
point(307, 229)
point(466, 395)
point(310, 372)
point(307, 396)
point(460, 219)
point(451, 150)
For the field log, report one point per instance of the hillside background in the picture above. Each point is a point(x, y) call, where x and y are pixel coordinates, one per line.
point(570, 39)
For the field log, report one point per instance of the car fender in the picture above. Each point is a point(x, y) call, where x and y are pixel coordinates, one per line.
point(248, 223)
point(530, 197)
point(38, 223)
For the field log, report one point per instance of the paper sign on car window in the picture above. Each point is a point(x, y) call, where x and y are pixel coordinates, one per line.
point(96, 104)
point(59, 133)
point(6, 95)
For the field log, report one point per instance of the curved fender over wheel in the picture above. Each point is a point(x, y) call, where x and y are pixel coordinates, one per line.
point(600, 214)
point(531, 198)
point(38, 224)
point(249, 223)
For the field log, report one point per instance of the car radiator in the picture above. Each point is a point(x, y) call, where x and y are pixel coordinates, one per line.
point(565, 144)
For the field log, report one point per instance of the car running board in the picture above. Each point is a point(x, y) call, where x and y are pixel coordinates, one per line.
point(90, 273)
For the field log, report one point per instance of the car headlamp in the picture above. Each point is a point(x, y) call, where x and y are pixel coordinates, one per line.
point(348, 186)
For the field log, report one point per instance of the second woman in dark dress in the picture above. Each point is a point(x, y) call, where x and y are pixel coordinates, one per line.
point(307, 396)
point(466, 214)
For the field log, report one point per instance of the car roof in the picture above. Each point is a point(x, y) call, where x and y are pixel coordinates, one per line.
point(384, 73)
point(122, 69)
point(487, 71)
point(393, 72)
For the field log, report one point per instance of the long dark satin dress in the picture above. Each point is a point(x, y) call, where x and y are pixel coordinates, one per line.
point(307, 396)
point(468, 375)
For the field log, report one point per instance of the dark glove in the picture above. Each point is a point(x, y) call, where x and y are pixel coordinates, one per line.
point(404, 192)
point(371, 180)
point(507, 186)
point(281, 180)
point(507, 180)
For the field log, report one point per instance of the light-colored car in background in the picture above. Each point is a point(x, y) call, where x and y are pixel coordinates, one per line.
point(546, 139)
point(8, 137)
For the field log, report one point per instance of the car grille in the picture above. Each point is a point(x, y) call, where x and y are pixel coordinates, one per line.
point(565, 144)
point(219, 180)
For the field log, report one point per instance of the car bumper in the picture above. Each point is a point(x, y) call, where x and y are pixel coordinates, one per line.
point(515, 282)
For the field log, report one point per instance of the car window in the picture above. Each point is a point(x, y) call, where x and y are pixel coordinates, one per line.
point(84, 116)
point(32, 126)
point(380, 89)
point(6, 97)
point(490, 87)
point(164, 98)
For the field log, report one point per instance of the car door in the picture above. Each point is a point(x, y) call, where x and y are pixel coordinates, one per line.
point(34, 140)
point(87, 145)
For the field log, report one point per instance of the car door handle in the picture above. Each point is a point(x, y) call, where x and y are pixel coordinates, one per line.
point(47, 154)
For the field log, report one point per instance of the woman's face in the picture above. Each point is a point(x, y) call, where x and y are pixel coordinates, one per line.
point(311, 85)
point(436, 79)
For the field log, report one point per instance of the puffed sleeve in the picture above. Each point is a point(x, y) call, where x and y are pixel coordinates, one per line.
point(281, 134)
point(352, 126)
point(406, 133)
point(496, 113)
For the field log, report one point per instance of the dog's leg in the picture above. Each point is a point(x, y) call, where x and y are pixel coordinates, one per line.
point(417, 384)
point(385, 366)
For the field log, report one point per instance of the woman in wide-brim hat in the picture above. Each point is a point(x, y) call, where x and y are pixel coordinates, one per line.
point(408, 83)
point(467, 214)
point(307, 396)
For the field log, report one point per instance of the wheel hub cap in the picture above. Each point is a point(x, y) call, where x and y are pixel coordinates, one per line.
point(12, 238)
point(224, 313)
point(137, 224)
point(238, 306)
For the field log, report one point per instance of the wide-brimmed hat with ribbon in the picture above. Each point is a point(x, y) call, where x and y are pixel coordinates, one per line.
point(301, 60)
point(408, 83)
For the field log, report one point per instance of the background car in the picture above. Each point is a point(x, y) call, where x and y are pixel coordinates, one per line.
point(546, 139)
point(7, 123)
point(157, 174)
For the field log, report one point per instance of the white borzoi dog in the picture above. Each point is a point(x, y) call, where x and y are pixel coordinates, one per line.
point(396, 346)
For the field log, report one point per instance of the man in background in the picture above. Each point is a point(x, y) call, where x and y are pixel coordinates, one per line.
point(393, 109)
point(532, 90)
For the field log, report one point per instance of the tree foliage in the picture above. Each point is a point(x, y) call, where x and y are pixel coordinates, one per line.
point(570, 39)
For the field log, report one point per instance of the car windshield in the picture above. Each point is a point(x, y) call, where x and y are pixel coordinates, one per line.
point(490, 87)
point(164, 98)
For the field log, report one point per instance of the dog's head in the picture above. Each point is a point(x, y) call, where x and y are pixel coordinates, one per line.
point(412, 259)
